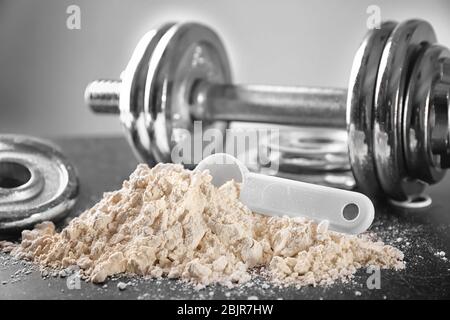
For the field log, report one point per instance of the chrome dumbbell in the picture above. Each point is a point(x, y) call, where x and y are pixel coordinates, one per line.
point(396, 109)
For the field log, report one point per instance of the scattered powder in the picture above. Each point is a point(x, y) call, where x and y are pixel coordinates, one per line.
point(441, 254)
point(122, 286)
point(171, 222)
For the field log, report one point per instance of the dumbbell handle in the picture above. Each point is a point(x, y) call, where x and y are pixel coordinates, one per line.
point(272, 104)
point(248, 103)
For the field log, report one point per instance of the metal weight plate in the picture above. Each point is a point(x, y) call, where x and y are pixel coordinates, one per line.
point(37, 183)
point(300, 150)
point(311, 141)
point(336, 179)
point(399, 56)
point(327, 163)
point(417, 126)
point(132, 94)
point(340, 180)
point(421, 201)
point(186, 54)
point(360, 105)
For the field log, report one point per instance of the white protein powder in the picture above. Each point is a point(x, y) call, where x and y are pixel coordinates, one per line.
point(171, 222)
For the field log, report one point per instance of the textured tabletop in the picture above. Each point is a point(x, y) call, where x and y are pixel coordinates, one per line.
point(103, 163)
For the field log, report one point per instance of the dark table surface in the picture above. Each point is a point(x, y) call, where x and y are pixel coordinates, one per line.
point(103, 163)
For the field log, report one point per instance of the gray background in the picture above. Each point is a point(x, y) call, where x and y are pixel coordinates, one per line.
point(44, 67)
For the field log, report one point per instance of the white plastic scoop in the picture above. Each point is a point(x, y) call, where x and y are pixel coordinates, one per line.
point(346, 211)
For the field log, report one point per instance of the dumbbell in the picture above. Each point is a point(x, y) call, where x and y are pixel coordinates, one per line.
point(396, 109)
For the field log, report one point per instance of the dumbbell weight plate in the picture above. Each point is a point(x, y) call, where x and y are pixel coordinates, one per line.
point(338, 179)
point(132, 94)
point(399, 55)
point(416, 125)
point(314, 142)
point(328, 163)
point(37, 183)
point(300, 150)
point(186, 54)
point(342, 180)
point(361, 105)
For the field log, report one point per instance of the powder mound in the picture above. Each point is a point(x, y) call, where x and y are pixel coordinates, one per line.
point(171, 222)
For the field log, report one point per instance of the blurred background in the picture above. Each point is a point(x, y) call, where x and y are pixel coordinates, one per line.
point(44, 66)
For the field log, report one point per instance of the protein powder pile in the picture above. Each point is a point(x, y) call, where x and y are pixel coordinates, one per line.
point(171, 222)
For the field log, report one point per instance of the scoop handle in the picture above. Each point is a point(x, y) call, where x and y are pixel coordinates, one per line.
point(347, 211)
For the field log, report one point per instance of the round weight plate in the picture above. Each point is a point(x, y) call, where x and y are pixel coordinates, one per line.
point(416, 202)
point(360, 105)
point(37, 183)
point(302, 165)
point(132, 94)
point(300, 150)
point(339, 179)
point(186, 54)
point(314, 142)
point(416, 116)
point(342, 180)
point(399, 56)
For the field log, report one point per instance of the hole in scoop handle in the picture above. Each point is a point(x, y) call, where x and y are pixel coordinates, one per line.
point(277, 196)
